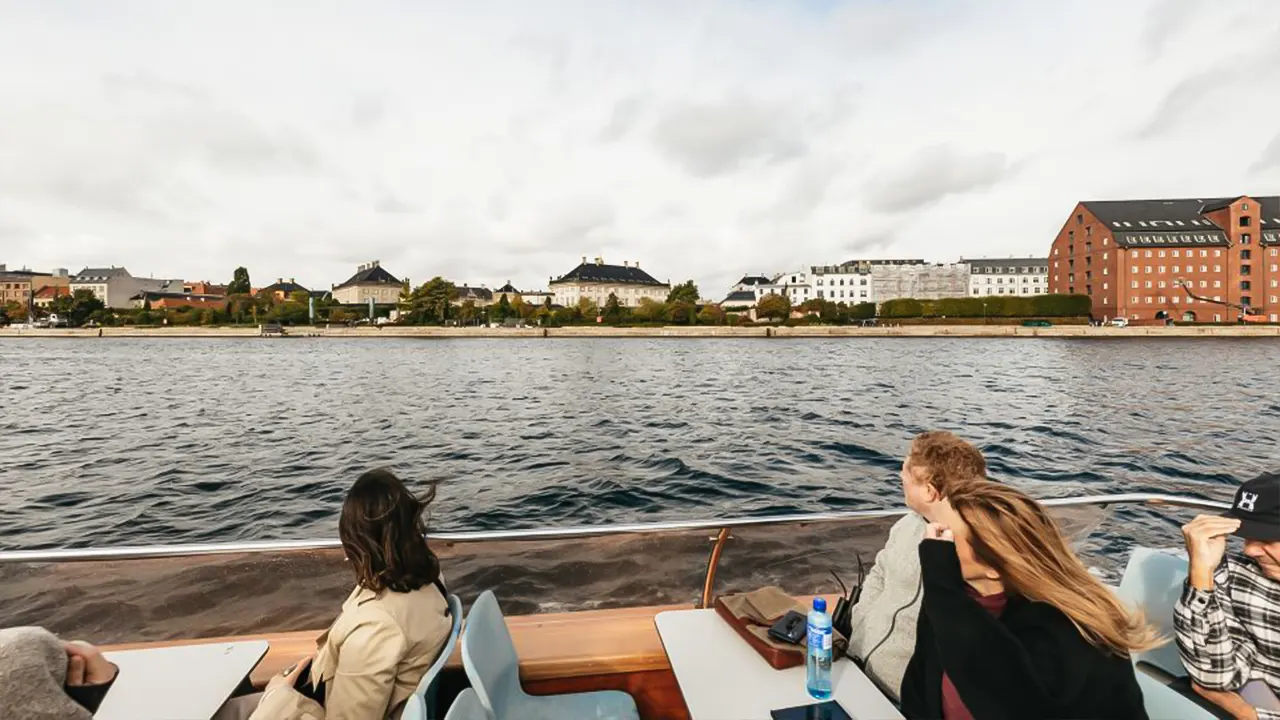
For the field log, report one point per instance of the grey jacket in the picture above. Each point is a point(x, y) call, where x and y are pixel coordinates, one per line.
point(33, 668)
point(884, 620)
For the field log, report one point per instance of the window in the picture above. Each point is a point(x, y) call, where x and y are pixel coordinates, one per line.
point(1148, 284)
point(1175, 253)
point(1133, 270)
point(1148, 299)
point(1001, 291)
point(1134, 285)
point(1177, 269)
point(1245, 239)
point(1105, 286)
point(864, 293)
point(1080, 219)
point(1134, 299)
point(989, 281)
point(1105, 241)
point(1148, 255)
point(1245, 254)
point(1245, 285)
point(1244, 206)
point(1204, 283)
point(1204, 253)
point(1162, 285)
point(1204, 268)
point(1148, 270)
point(1217, 268)
point(1217, 253)
point(1106, 271)
point(1161, 253)
point(1217, 283)
point(1163, 269)
point(1245, 221)
point(1088, 230)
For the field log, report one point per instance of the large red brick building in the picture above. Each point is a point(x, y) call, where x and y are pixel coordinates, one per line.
point(1133, 256)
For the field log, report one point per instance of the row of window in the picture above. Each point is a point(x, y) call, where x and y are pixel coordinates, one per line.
point(1013, 281)
point(862, 294)
point(1008, 270)
point(1134, 270)
point(1012, 291)
point(1174, 253)
point(833, 282)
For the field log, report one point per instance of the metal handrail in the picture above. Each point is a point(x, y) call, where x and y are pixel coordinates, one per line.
point(191, 550)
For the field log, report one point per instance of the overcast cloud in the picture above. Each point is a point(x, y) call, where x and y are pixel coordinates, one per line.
point(495, 141)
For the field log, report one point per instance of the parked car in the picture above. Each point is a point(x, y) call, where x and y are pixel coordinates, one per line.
point(1119, 322)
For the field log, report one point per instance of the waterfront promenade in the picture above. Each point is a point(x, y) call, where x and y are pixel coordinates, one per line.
point(695, 331)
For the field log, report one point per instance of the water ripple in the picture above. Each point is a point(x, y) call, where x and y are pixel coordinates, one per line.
point(162, 441)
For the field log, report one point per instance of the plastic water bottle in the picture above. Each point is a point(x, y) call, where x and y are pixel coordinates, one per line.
point(818, 657)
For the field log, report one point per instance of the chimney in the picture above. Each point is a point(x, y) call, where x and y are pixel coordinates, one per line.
point(599, 261)
point(626, 263)
point(279, 281)
point(637, 264)
point(292, 282)
point(584, 259)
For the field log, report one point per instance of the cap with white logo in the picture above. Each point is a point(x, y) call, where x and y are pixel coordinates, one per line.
point(1257, 507)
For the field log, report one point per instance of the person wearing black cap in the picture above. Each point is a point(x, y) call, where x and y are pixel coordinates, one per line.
point(1228, 618)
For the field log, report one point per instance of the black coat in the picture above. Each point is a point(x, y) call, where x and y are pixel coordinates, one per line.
point(1031, 662)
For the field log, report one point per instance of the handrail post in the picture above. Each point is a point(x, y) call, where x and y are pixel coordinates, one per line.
point(713, 563)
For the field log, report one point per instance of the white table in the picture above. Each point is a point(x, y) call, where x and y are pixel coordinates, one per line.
point(186, 682)
point(722, 678)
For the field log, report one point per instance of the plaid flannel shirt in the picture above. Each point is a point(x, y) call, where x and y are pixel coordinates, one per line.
point(1231, 636)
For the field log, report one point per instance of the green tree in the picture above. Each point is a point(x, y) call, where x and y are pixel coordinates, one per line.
point(612, 310)
point(862, 311)
point(588, 309)
point(340, 316)
point(902, 308)
point(430, 302)
point(650, 311)
point(686, 292)
point(79, 307)
point(468, 312)
point(776, 307)
point(711, 315)
point(239, 284)
point(16, 312)
point(682, 313)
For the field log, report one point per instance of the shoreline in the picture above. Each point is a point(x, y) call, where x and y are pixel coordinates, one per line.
point(906, 331)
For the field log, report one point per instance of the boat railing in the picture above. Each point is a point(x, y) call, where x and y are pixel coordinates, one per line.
point(191, 590)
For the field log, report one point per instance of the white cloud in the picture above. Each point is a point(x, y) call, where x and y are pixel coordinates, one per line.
point(706, 139)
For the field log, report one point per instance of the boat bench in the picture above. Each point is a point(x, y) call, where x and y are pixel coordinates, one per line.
point(550, 646)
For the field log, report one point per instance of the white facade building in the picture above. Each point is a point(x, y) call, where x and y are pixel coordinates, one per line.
point(596, 281)
point(115, 287)
point(1008, 276)
point(850, 283)
point(371, 282)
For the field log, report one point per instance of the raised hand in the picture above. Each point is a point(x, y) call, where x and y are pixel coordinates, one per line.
point(938, 531)
point(1206, 538)
point(86, 665)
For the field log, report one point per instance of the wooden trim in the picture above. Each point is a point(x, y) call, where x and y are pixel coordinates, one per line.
point(713, 564)
point(552, 646)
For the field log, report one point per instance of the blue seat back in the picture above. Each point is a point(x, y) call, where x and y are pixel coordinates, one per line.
point(1153, 582)
point(1165, 703)
point(489, 656)
point(421, 705)
point(466, 707)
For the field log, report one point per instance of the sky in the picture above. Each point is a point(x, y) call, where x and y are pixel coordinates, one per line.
point(490, 141)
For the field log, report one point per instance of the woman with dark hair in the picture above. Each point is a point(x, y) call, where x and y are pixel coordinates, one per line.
point(392, 626)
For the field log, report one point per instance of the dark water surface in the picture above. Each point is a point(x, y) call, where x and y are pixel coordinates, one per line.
point(119, 441)
point(130, 441)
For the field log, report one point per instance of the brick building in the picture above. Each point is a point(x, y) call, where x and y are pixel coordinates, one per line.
point(1132, 258)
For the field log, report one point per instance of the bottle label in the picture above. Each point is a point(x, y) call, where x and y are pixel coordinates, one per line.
point(819, 638)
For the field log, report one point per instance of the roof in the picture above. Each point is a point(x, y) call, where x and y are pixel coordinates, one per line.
point(89, 275)
point(1207, 238)
point(288, 288)
point(600, 272)
point(1172, 214)
point(155, 295)
point(1006, 266)
point(1271, 237)
point(474, 293)
point(508, 288)
point(741, 296)
point(370, 275)
point(754, 280)
point(52, 291)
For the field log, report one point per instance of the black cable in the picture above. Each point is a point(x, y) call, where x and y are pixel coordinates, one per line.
point(866, 660)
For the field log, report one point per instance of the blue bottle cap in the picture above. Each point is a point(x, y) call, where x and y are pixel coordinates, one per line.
point(820, 604)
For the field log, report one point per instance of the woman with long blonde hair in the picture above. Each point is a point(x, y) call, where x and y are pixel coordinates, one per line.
point(1012, 624)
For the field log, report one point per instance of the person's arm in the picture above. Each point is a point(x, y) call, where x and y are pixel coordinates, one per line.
point(991, 668)
point(89, 675)
point(1233, 703)
point(1203, 619)
point(365, 677)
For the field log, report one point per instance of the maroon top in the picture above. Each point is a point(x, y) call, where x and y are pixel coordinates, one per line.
point(952, 706)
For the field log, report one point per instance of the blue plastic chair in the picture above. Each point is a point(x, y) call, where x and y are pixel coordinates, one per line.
point(467, 707)
point(421, 704)
point(489, 657)
point(1164, 703)
point(1153, 581)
